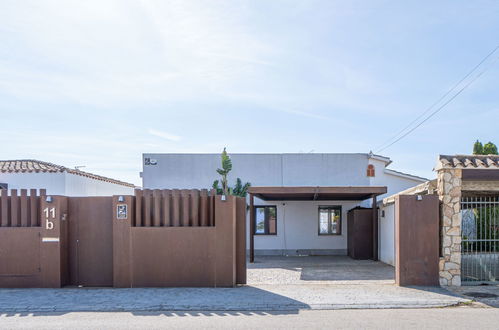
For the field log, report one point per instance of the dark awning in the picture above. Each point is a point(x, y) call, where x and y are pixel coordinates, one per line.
point(316, 193)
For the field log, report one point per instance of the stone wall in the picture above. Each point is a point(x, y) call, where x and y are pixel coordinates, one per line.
point(449, 192)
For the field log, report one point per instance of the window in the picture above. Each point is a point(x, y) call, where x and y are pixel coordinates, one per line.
point(4, 186)
point(370, 170)
point(266, 220)
point(329, 220)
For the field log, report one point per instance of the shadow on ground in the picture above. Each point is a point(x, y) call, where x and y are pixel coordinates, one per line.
point(165, 300)
point(487, 295)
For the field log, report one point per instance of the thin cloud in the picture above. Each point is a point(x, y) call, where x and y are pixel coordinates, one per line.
point(164, 135)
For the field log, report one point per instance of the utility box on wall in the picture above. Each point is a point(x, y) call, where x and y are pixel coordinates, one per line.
point(360, 233)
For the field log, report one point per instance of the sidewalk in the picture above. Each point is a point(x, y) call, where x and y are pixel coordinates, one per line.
point(245, 298)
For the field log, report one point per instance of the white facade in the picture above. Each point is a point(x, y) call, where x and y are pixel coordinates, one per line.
point(297, 221)
point(63, 183)
point(298, 228)
point(387, 234)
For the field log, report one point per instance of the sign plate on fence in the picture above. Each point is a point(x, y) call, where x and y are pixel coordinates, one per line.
point(50, 239)
point(121, 212)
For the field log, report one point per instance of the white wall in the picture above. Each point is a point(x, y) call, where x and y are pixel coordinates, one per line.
point(53, 182)
point(298, 226)
point(297, 222)
point(62, 183)
point(387, 234)
point(394, 183)
point(188, 171)
point(78, 185)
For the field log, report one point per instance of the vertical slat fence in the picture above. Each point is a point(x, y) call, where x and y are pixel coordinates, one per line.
point(174, 208)
point(20, 209)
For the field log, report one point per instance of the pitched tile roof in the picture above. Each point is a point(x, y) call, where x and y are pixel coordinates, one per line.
point(468, 161)
point(37, 166)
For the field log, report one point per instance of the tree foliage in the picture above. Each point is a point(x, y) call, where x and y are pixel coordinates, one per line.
point(487, 149)
point(221, 186)
point(490, 149)
point(478, 148)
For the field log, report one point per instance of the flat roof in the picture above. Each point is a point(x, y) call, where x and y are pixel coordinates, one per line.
point(336, 193)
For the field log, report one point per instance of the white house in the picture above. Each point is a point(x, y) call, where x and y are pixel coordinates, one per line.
point(288, 227)
point(58, 180)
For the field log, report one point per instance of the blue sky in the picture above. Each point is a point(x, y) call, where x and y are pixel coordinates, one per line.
point(98, 83)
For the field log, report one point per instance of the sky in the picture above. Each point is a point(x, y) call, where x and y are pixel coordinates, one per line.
point(98, 83)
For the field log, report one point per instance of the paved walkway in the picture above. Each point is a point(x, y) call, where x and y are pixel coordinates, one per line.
point(261, 297)
point(487, 295)
point(318, 270)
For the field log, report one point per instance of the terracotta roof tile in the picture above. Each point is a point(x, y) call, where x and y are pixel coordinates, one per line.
point(468, 161)
point(37, 166)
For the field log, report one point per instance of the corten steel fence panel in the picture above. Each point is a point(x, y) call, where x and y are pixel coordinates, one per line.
point(241, 241)
point(19, 257)
point(174, 208)
point(183, 249)
point(479, 239)
point(91, 241)
point(417, 224)
point(173, 256)
point(14, 209)
point(32, 239)
point(20, 211)
point(192, 238)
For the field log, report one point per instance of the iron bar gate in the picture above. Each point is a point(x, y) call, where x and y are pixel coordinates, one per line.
point(480, 239)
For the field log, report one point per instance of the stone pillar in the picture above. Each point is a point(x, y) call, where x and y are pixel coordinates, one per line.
point(449, 192)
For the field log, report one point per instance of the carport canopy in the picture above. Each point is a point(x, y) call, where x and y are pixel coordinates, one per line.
point(337, 193)
point(316, 193)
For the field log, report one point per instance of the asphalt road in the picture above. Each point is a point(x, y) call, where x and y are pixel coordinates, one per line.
point(439, 318)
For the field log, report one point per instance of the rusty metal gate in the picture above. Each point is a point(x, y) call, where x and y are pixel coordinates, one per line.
point(158, 238)
point(90, 241)
point(480, 239)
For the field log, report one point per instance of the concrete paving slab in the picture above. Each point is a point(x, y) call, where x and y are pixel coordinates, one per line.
point(245, 298)
point(318, 270)
point(488, 295)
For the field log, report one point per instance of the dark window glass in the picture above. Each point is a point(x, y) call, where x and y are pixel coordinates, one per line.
point(265, 220)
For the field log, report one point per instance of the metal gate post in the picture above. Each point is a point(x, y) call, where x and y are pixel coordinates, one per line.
point(53, 246)
point(123, 214)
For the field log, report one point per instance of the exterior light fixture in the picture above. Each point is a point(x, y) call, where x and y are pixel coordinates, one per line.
point(419, 198)
point(121, 199)
point(48, 199)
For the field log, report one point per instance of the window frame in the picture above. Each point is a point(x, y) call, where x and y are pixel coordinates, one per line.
point(266, 221)
point(329, 208)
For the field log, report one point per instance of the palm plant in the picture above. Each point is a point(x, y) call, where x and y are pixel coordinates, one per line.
point(224, 171)
point(239, 189)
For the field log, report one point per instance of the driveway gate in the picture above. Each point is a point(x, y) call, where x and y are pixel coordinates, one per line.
point(480, 239)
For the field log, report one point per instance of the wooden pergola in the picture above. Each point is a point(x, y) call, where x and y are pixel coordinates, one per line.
point(343, 193)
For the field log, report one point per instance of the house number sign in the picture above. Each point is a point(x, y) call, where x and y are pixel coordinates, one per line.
point(49, 217)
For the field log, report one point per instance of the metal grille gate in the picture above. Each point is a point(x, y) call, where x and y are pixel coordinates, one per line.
point(480, 239)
